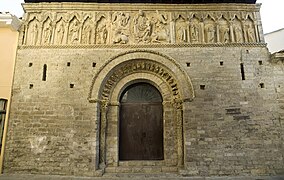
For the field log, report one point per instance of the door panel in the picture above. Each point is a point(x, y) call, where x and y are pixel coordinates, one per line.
point(141, 131)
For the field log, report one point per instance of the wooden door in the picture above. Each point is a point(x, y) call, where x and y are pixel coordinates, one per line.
point(141, 125)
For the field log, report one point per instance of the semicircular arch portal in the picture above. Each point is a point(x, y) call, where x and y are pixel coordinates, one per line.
point(130, 70)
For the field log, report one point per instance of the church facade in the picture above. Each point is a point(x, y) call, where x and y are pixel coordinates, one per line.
point(145, 88)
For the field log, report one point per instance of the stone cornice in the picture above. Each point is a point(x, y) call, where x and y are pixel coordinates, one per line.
point(119, 46)
point(151, 1)
point(32, 7)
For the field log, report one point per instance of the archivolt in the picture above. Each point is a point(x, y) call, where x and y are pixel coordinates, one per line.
point(136, 61)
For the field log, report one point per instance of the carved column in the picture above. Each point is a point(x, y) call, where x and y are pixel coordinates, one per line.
point(231, 32)
point(256, 32)
point(109, 34)
point(103, 125)
point(245, 31)
point(39, 40)
point(80, 33)
point(113, 117)
point(67, 32)
point(179, 127)
point(202, 32)
point(218, 32)
point(53, 33)
point(65, 35)
point(94, 33)
point(25, 34)
point(172, 29)
point(188, 31)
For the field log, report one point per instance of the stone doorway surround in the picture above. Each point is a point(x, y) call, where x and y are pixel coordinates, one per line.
point(176, 89)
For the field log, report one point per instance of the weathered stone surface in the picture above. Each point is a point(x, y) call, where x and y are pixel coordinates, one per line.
point(219, 119)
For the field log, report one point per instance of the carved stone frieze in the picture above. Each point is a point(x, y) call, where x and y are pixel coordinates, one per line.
point(139, 27)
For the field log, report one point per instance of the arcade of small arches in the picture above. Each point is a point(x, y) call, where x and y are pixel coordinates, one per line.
point(140, 27)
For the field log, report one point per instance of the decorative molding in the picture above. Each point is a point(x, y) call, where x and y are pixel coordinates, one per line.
point(135, 46)
point(65, 6)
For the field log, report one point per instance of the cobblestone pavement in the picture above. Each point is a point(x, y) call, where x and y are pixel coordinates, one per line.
point(132, 177)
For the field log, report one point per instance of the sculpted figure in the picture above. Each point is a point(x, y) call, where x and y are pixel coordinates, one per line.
point(161, 35)
point(226, 35)
point(182, 35)
point(47, 31)
point(161, 32)
point(162, 19)
point(120, 37)
point(251, 35)
point(120, 24)
point(238, 34)
point(210, 34)
point(102, 35)
point(194, 32)
point(74, 32)
point(60, 33)
point(225, 32)
point(124, 19)
point(34, 33)
point(86, 35)
point(142, 27)
point(121, 19)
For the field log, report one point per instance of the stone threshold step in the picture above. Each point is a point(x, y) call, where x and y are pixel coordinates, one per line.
point(141, 170)
point(132, 177)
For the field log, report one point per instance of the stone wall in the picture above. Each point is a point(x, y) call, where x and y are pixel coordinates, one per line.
point(221, 98)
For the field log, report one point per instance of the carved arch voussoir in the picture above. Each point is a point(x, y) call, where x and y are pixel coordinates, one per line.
point(86, 16)
point(193, 15)
point(33, 17)
point(137, 61)
point(75, 15)
point(100, 15)
point(49, 15)
point(183, 16)
point(137, 66)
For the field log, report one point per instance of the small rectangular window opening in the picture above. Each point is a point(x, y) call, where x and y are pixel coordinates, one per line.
point(68, 63)
point(188, 64)
point(261, 85)
point(44, 72)
point(221, 63)
point(243, 71)
point(202, 87)
point(260, 62)
point(71, 85)
point(94, 64)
